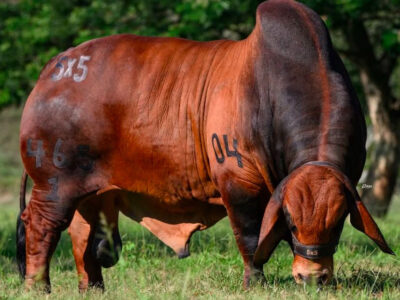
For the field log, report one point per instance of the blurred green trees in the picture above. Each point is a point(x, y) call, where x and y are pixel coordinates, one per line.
point(366, 33)
point(33, 31)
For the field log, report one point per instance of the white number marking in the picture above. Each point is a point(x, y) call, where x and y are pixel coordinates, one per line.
point(79, 74)
point(68, 72)
point(81, 65)
point(60, 66)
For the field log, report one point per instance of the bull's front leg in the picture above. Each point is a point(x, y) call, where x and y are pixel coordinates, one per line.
point(46, 215)
point(245, 211)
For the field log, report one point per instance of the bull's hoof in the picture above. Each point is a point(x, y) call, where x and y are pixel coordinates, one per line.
point(37, 285)
point(84, 286)
point(252, 277)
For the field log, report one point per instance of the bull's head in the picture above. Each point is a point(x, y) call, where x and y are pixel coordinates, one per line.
point(308, 209)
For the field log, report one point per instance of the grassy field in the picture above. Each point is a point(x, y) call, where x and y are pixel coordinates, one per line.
point(149, 270)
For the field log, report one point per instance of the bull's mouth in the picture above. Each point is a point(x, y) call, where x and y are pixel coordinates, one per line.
point(314, 272)
point(319, 278)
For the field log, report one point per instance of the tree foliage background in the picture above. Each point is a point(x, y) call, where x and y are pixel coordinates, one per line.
point(366, 33)
point(33, 31)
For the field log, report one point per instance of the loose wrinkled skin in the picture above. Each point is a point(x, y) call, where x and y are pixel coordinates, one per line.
point(176, 134)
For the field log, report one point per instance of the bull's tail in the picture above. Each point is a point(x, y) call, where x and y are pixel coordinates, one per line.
point(20, 238)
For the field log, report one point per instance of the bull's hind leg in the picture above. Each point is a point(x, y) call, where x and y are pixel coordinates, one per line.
point(47, 214)
point(245, 211)
point(95, 239)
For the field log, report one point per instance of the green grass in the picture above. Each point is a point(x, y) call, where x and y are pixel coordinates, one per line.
point(149, 270)
point(10, 161)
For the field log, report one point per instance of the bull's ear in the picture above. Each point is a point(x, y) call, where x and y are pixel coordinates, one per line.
point(273, 230)
point(362, 221)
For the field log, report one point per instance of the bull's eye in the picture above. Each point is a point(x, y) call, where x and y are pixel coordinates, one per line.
point(293, 228)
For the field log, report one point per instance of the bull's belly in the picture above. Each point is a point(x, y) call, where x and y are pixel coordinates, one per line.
point(172, 189)
point(138, 206)
point(172, 224)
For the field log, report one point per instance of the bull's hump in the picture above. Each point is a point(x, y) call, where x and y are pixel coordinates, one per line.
point(293, 31)
point(297, 39)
